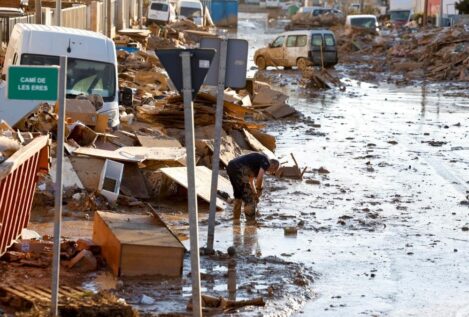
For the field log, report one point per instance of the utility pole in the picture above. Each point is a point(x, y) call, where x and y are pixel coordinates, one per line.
point(362, 4)
point(140, 14)
point(108, 18)
point(425, 14)
point(441, 13)
point(58, 12)
point(38, 9)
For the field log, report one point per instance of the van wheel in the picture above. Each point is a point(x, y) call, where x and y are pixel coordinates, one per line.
point(260, 62)
point(301, 63)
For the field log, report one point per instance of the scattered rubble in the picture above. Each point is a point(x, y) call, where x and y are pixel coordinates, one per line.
point(301, 21)
point(431, 54)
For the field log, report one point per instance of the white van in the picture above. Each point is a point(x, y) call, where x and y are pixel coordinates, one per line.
point(91, 66)
point(160, 12)
point(362, 21)
point(192, 10)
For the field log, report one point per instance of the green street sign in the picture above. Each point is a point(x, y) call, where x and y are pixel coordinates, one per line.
point(33, 82)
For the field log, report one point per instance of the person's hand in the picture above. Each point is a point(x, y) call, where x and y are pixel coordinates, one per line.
point(259, 192)
point(255, 197)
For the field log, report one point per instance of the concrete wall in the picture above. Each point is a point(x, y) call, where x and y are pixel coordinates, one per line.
point(75, 17)
point(99, 16)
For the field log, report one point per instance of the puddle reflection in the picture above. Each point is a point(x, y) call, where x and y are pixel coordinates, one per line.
point(245, 240)
point(232, 279)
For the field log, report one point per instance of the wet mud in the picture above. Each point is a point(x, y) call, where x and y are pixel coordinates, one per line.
point(385, 228)
point(378, 226)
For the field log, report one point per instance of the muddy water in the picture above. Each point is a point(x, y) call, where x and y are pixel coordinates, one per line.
point(382, 232)
point(384, 229)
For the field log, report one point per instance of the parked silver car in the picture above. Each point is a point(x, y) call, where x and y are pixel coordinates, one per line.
point(299, 48)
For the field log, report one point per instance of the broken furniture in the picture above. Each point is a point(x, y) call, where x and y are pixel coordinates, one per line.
point(137, 245)
point(291, 171)
point(18, 177)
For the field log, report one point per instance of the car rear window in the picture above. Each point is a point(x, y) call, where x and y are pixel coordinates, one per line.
point(329, 39)
point(316, 40)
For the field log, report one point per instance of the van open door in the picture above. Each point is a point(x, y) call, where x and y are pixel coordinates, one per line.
point(323, 50)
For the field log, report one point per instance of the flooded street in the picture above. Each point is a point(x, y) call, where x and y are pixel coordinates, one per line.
point(377, 227)
point(386, 229)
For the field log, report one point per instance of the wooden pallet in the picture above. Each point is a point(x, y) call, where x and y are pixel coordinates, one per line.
point(77, 301)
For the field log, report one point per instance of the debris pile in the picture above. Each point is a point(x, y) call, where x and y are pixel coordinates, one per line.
point(302, 21)
point(11, 141)
point(433, 54)
point(151, 136)
point(179, 34)
point(321, 78)
point(82, 255)
point(360, 40)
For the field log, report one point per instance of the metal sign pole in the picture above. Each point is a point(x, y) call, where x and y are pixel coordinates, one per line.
point(192, 194)
point(58, 187)
point(216, 149)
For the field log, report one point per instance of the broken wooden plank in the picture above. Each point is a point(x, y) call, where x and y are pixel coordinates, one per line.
point(153, 141)
point(267, 140)
point(137, 154)
point(229, 150)
point(72, 301)
point(203, 180)
point(157, 153)
point(162, 222)
point(236, 110)
point(258, 146)
point(280, 111)
point(114, 155)
point(207, 132)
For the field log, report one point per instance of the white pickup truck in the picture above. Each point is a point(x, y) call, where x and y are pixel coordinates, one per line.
point(91, 66)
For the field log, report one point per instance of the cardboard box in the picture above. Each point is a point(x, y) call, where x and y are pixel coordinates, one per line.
point(81, 110)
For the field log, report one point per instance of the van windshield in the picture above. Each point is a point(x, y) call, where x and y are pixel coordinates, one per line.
point(159, 6)
point(400, 15)
point(368, 23)
point(84, 77)
point(190, 12)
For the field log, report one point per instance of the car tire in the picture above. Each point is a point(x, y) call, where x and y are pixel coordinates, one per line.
point(260, 62)
point(301, 63)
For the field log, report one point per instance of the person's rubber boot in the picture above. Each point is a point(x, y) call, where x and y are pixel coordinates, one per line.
point(237, 210)
point(250, 213)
